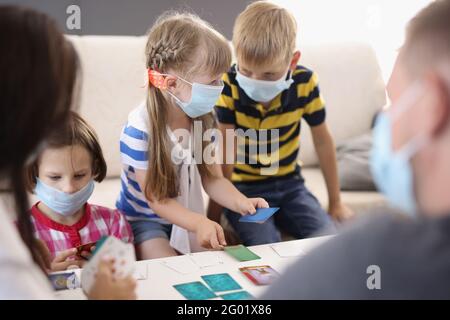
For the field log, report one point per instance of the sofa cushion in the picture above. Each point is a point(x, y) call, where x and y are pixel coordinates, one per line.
point(351, 83)
point(353, 158)
point(359, 201)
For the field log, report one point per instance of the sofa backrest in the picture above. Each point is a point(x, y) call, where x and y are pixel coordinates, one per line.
point(351, 82)
point(114, 80)
point(114, 83)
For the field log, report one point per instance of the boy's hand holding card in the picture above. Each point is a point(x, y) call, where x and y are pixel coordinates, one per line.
point(261, 215)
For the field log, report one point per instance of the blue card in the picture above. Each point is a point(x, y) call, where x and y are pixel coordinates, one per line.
point(261, 215)
point(240, 295)
point(221, 282)
point(194, 291)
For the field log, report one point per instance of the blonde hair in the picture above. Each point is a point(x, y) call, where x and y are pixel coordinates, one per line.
point(176, 41)
point(264, 33)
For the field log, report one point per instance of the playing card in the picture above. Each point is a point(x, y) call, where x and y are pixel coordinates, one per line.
point(261, 215)
point(64, 280)
point(240, 295)
point(181, 264)
point(194, 291)
point(260, 275)
point(122, 253)
point(140, 271)
point(206, 259)
point(241, 253)
point(85, 247)
point(221, 282)
point(287, 249)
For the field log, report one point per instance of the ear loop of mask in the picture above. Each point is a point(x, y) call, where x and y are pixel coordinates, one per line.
point(157, 79)
point(406, 101)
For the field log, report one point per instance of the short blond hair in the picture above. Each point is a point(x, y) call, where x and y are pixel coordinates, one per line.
point(264, 32)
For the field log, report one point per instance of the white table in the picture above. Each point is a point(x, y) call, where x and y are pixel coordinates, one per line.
point(160, 278)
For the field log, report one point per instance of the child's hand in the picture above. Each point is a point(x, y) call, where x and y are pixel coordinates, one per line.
point(341, 212)
point(249, 205)
point(210, 234)
point(108, 287)
point(87, 254)
point(65, 259)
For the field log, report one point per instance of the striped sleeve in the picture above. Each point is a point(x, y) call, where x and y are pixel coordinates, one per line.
point(315, 104)
point(225, 105)
point(134, 147)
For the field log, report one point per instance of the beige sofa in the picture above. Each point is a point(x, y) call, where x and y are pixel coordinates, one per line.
point(114, 80)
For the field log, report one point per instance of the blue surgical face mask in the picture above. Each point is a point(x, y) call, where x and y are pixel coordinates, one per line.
point(261, 90)
point(392, 170)
point(203, 99)
point(65, 204)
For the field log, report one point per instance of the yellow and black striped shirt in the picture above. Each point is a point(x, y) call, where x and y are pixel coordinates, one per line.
point(277, 156)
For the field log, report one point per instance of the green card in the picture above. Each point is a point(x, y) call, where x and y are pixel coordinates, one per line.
point(240, 295)
point(241, 253)
point(194, 291)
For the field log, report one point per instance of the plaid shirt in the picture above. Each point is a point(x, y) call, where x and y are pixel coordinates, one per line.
point(96, 222)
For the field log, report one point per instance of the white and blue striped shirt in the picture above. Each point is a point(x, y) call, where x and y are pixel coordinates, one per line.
point(134, 154)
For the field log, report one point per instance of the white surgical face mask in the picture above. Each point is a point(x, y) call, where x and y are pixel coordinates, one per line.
point(65, 204)
point(262, 90)
point(203, 98)
point(392, 170)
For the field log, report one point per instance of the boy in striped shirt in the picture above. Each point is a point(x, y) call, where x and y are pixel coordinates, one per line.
point(269, 93)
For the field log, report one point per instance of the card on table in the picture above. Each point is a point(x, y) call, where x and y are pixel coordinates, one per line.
point(221, 282)
point(194, 291)
point(261, 215)
point(241, 253)
point(181, 264)
point(206, 259)
point(260, 275)
point(287, 249)
point(240, 295)
point(140, 272)
point(64, 280)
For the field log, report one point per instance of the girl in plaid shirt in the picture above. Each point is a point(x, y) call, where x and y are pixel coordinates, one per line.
point(62, 178)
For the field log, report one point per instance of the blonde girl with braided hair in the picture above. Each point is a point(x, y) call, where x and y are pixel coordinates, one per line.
point(162, 179)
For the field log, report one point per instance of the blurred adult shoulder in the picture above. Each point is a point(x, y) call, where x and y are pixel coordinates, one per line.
point(411, 257)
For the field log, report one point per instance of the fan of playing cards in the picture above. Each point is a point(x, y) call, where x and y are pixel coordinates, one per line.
point(122, 253)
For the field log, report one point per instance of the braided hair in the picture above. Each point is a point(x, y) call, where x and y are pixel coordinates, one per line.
point(187, 45)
